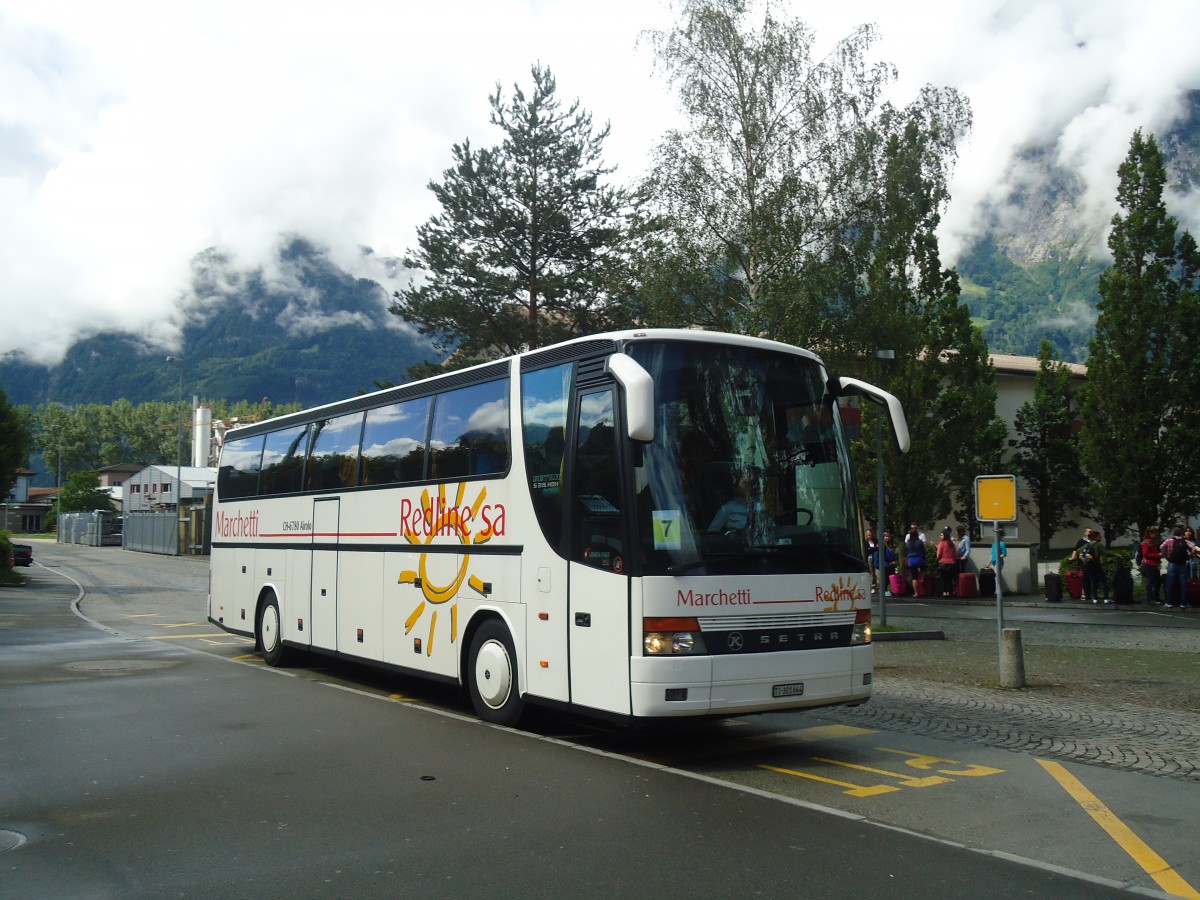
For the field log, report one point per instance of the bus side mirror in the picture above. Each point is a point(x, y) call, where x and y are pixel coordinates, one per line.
point(895, 412)
point(639, 396)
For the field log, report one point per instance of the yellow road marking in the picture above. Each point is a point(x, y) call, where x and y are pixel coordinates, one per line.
point(141, 616)
point(181, 625)
point(854, 789)
point(921, 761)
point(1141, 853)
point(906, 780)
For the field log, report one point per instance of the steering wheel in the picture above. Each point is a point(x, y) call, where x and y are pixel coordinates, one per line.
point(789, 516)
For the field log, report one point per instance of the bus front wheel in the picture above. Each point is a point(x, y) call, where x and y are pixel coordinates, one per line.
point(270, 636)
point(492, 676)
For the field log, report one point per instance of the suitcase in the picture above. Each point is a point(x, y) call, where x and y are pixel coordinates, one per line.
point(967, 586)
point(925, 586)
point(987, 582)
point(1053, 582)
point(1075, 584)
point(899, 585)
point(1193, 597)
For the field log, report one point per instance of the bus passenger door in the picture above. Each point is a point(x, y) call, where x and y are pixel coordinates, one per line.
point(325, 572)
point(598, 592)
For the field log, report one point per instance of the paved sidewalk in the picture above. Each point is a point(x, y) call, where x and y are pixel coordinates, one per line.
point(1103, 689)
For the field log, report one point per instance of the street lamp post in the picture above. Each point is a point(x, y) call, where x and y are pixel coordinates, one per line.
point(881, 563)
point(178, 452)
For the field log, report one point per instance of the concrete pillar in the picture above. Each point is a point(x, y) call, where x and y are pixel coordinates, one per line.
point(1012, 659)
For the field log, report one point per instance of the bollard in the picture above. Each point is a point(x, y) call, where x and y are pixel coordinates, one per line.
point(1012, 659)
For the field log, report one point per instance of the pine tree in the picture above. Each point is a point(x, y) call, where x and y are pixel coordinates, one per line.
point(1046, 453)
point(531, 246)
point(1141, 406)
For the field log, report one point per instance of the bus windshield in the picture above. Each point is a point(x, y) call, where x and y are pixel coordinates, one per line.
point(749, 471)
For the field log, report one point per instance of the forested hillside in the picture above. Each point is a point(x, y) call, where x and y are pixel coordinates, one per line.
point(326, 336)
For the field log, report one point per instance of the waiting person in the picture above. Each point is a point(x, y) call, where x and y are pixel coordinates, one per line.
point(1177, 551)
point(1194, 559)
point(914, 553)
point(963, 549)
point(872, 548)
point(1151, 565)
point(947, 558)
point(889, 562)
point(998, 564)
point(1090, 555)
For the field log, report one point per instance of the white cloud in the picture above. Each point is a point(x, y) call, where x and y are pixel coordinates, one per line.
point(134, 135)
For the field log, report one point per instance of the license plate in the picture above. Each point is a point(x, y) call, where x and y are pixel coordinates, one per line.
point(788, 690)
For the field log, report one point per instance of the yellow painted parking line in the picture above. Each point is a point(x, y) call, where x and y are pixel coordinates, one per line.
point(250, 657)
point(141, 616)
point(1141, 853)
point(921, 761)
point(854, 789)
point(906, 780)
point(181, 625)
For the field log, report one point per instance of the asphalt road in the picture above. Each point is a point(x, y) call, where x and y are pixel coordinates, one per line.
point(156, 757)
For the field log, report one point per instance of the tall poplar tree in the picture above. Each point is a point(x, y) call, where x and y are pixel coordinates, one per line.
point(1046, 453)
point(1141, 406)
point(531, 245)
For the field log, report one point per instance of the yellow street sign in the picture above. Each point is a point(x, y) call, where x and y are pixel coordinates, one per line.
point(996, 498)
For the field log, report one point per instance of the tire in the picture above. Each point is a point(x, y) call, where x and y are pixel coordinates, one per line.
point(270, 634)
point(492, 678)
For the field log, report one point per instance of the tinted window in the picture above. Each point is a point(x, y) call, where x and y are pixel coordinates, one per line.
point(238, 475)
point(470, 432)
point(394, 443)
point(283, 461)
point(333, 460)
point(544, 423)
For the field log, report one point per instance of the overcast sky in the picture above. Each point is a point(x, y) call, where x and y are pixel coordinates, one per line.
point(134, 135)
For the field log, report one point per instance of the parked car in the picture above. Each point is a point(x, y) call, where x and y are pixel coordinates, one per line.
point(22, 555)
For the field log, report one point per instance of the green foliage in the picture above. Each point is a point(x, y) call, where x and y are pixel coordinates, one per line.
point(14, 444)
point(6, 550)
point(531, 246)
point(1046, 453)
point(1141, 404)
point(82, 493)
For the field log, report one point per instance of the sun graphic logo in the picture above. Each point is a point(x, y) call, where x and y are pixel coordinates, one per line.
point(848, 591)
point(464, 523)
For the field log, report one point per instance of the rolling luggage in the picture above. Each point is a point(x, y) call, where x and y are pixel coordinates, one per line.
point(898, 585)
point(1075, 584)
point(987, 582)
point(1053, 582)
point(925, 586)
point(1193, 597)
point(968, 587)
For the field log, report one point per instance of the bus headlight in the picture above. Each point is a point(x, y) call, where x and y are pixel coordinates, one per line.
point(862, 627)
point(672, 637)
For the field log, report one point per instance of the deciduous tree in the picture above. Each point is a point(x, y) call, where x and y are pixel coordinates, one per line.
point(14, 445)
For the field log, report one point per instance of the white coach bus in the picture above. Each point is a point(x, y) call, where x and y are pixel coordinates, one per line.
point(633, 525)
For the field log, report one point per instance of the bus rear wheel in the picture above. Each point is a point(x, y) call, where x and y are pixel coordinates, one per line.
point(270, 635)
point(492, 676)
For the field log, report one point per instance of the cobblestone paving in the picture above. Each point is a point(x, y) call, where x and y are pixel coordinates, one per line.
point(1123, 697)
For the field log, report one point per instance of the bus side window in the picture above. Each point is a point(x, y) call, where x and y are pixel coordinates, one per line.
point(393, 445)
point(333, 460)
point(283, 461)
point(544, 395)
point(240, 462)
point(470, 432)
point(597, 486)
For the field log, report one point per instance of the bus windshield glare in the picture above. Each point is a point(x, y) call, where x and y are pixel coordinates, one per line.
point(748, 472)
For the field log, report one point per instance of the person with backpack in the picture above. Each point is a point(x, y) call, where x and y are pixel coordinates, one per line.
point(1150, 565)
point(1177, 550)
point(1090, 554)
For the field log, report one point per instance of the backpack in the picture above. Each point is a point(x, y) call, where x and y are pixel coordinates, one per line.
point(1179, 551)
point(1137, 556)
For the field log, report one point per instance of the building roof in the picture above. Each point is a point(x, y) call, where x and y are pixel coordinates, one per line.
point(194, 476)
point(1008, 364)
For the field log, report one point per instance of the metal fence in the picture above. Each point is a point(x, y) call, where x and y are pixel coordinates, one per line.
point(152, 531)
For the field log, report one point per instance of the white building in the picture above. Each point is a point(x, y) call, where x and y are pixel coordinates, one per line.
point(154, 487)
